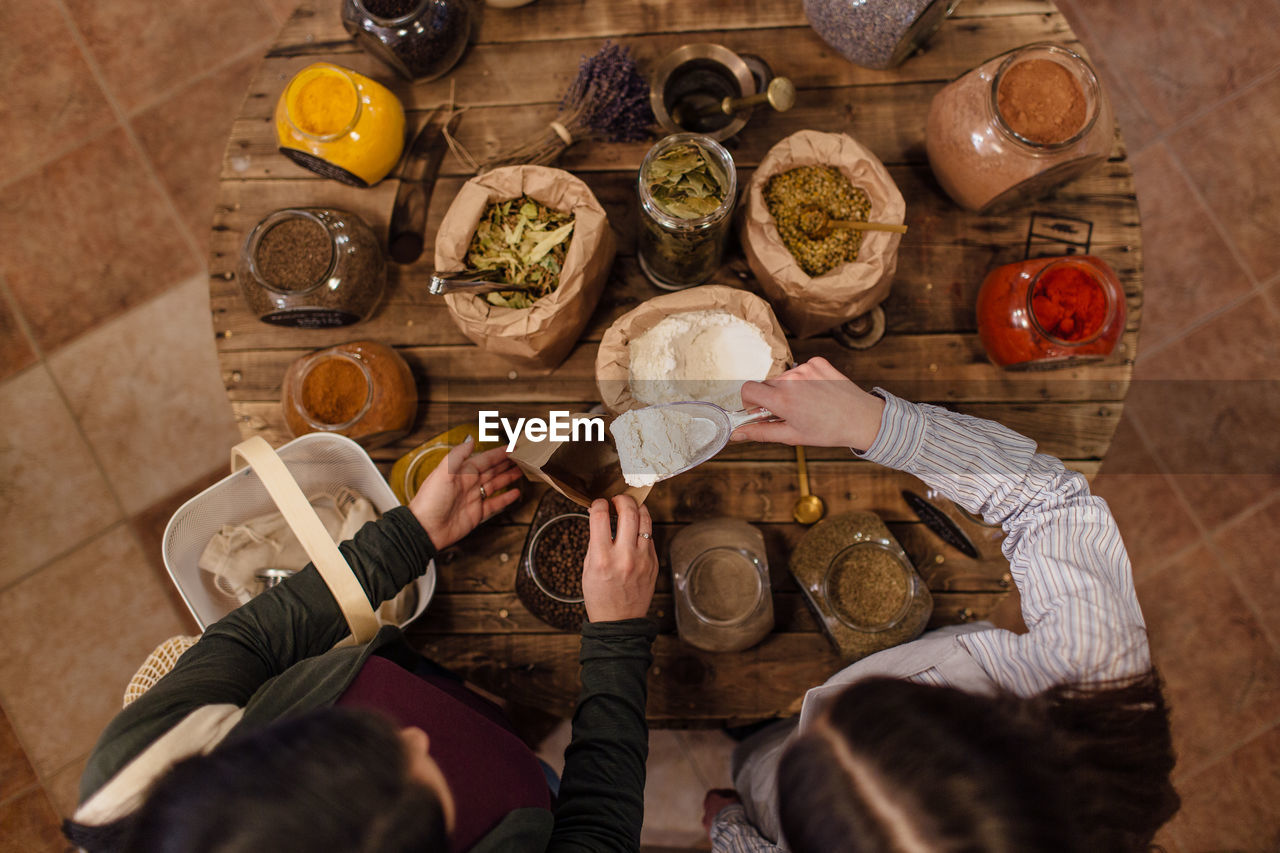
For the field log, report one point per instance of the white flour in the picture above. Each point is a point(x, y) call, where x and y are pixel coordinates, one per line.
point(654, 443)
point(698, 355)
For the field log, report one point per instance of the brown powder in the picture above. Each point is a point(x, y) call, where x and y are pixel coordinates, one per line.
point(294, 254)
point(334, 391)
point(1041, 101)
point(724, 587)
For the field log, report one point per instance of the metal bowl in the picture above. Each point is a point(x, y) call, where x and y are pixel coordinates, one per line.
point(697, 75)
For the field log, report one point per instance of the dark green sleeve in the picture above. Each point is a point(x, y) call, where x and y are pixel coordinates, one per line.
point(601, 804)
point(261, 639)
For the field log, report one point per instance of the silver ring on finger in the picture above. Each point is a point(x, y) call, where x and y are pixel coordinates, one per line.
point(646, 535)
point(483, 494)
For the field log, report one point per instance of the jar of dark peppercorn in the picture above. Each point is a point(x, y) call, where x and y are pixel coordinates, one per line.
point(419, 39)
point(312, 267)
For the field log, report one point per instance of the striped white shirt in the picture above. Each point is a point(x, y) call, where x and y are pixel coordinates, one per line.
point(1064, 551)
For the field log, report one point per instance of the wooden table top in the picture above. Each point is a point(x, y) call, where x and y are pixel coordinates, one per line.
point(511, 81)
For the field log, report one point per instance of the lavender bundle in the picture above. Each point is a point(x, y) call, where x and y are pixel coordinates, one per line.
point(608, 100)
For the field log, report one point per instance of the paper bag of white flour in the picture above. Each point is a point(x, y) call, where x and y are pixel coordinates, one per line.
point(613, 358)
point(541, 336)
point(808, 304)
point(581, 469)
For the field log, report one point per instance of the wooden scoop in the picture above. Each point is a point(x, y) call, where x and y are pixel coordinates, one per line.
point(816, 223)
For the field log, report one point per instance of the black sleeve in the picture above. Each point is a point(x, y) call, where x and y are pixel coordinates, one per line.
point(261, 639)
point(601, 803)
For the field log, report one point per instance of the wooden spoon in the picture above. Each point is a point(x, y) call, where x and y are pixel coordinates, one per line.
point(816, 223)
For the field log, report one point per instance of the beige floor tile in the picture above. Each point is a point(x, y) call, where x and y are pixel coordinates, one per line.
point(28, 824)
point(16, 353)
point(48, 109)
point(71, 636)
point(672, 794)
point(147, 393)
point(145, 47)
point(1233, 804)
point(47, 470)
point(1179, 56)
point(711, 752)
point(186, 135)
point(1221, 673)
point(282, 10)
point(15, 770)
point(1189, 270)
point(88, 237)
point(63, 787)
point(1234, 159)
point(1252, 544)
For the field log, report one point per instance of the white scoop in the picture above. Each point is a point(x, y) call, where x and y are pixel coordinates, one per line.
point(684, 436)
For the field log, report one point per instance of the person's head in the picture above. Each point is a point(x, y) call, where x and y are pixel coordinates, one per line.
point(332, 779)
point(896, 767)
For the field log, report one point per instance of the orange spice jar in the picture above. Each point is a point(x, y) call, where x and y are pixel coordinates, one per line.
point(1050, 312)
point(363, 390)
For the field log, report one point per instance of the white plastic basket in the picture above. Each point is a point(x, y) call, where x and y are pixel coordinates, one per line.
point(318, 462)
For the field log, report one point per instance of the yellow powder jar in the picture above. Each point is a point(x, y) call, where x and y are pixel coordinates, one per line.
point(340, 124)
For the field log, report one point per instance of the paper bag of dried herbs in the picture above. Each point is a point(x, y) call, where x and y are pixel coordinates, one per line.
point(543, 231)
point(818, 282)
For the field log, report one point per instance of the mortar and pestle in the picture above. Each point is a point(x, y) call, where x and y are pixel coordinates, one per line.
point(709, 89)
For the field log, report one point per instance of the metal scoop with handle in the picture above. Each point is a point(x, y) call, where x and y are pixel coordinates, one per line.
point(725, 422)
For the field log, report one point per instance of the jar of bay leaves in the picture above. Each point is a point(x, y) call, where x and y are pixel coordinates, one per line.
point(860, 584)
point(313, 267)
point(688, 185)
point(720, 573)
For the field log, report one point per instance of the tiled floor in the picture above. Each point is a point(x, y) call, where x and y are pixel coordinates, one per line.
point(113, 118)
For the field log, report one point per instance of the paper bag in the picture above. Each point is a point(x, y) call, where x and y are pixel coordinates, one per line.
point(808, 305)
point(541, 336)
point(582, 471)
point(613, 358)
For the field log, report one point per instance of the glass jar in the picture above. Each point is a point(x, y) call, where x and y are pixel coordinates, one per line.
point(340, 124)
point(877, 33)
point(1051, 312)
point(1052, 127)
point(419, 39)
point(411, 470)
point(555, 611)
point(312, 267)
point(720, 572)
point(860, 585)
point(363, 390)
point(677, 251)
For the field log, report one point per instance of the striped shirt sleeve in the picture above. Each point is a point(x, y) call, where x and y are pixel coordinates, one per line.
point(733, 832)
point(1063, 547)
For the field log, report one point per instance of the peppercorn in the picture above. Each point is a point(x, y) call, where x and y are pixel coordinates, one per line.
point(790, 194)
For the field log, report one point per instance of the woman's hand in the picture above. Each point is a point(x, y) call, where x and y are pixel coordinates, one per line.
point(463, 491)
point(620, 571)
point(818, 405)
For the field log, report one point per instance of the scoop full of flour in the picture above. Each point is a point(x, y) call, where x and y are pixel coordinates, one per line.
point(656, 442)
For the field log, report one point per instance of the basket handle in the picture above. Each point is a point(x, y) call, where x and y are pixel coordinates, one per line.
point(315, 540)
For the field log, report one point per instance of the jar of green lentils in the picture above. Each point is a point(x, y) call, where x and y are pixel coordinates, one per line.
point(816, 272)
point(860, 584)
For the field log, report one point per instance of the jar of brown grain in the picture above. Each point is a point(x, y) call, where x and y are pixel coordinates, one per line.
point(363, 390)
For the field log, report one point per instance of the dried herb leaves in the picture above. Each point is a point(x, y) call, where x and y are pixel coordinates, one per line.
point(527, 242)
point(686, 182)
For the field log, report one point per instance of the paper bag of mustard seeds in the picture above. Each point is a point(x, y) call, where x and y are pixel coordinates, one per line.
point(541, 336)
point(811, 305)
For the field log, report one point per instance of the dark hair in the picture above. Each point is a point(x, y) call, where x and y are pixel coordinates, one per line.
point(333, 779)
point(1071, 769)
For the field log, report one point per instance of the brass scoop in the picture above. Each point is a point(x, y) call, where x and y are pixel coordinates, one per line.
point(816, 223)
point(808, 508)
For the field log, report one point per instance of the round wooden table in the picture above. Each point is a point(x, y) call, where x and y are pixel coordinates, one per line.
point(511, 81)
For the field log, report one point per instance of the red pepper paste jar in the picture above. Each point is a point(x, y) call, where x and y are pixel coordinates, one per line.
point(1050, 312)
point(363, 390)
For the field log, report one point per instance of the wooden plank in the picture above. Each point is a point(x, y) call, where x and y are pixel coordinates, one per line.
point(488, 562)
point(483, 78)
point(318, 26)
